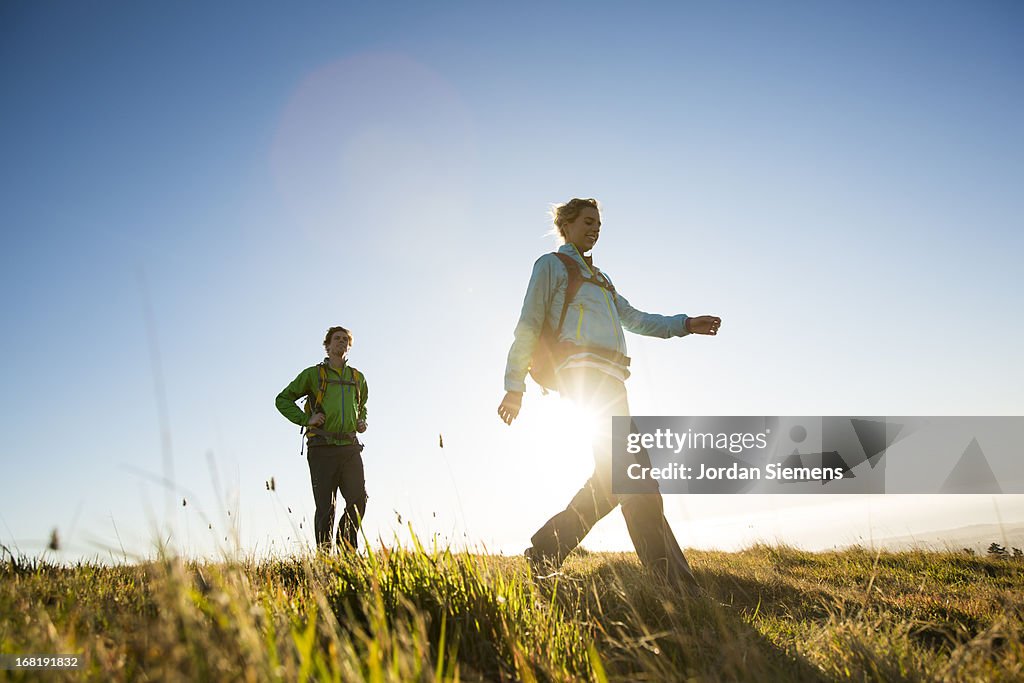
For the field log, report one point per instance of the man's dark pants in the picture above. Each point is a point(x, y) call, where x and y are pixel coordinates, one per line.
point(332, 468)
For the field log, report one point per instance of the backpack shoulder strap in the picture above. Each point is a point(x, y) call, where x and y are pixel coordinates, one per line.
point(318, 400)
point(356, 378)
point(601, 280)
point(571, 287)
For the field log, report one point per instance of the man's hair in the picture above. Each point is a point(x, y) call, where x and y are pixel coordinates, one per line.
point(567, 213)
point(337, 328)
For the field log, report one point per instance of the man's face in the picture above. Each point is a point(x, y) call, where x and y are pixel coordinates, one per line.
point(338, 346)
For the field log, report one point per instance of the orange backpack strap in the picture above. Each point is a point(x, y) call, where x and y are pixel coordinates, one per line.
point(318, 402)
point(571, 287)
point(356, 377)
point(315, 400)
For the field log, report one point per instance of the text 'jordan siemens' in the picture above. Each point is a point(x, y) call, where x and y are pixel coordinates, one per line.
point(735, 471)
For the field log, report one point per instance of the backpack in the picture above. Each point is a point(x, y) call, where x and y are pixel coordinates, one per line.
point(314, 402)
point(549, 353)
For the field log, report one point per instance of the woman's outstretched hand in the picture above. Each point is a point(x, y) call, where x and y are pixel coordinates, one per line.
point(510, 405)
point(703, 324)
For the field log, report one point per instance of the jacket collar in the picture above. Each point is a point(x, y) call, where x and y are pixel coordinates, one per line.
point(340, 371)
point(571, 250)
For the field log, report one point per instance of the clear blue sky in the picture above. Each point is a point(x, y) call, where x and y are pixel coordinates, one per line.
point(839, 181)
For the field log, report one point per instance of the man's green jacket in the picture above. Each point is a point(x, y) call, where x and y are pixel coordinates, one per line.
point(343, 404)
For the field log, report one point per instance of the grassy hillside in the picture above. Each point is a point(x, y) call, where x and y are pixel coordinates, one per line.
point(776, 614)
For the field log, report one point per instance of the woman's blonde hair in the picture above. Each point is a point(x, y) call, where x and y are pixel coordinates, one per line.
point(567, 213)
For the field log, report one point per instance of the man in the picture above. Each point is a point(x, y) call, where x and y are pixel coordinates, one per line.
point(335, 412)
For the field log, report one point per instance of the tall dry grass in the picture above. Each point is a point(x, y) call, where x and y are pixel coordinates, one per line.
point(429, 614)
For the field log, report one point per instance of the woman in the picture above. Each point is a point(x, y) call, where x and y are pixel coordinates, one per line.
point(591, 369)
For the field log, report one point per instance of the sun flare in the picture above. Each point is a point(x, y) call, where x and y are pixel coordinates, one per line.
point(561, 439)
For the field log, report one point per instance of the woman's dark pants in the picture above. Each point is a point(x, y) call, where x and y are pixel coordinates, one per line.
point(332, 468)
point(602, 397)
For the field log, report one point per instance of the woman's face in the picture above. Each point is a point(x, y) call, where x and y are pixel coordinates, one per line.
point(584, 230)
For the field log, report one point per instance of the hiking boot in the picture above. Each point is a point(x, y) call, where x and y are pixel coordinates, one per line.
point(541, 566)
